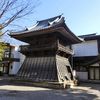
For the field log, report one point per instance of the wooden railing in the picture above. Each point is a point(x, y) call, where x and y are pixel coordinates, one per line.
point(36, 47)
point(65, 49)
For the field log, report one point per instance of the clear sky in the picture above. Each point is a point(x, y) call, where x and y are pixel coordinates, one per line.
point(82, 16)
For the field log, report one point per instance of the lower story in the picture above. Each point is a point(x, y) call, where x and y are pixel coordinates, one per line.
point(87, 69)
point(93, 73)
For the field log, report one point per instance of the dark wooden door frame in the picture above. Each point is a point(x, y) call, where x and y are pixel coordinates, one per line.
point(94, 73)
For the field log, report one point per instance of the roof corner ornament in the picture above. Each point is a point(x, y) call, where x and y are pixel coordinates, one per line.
point(55, 21)
point(33, 26)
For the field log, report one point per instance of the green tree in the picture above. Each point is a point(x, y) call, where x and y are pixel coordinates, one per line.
point(2, 49)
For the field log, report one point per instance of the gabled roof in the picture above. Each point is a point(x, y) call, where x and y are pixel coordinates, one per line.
point(87, 35)
point(87, 60)
point(42, 25)
point(90, 37)
point(93, 61)
point(55, 24)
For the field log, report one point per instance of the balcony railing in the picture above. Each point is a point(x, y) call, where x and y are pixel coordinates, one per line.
point(65, 49)
point(25, 48)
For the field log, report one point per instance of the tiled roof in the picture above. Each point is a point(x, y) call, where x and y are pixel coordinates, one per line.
point(48, 26)
point(93, 36)
point(43, 24)
point(46, 23)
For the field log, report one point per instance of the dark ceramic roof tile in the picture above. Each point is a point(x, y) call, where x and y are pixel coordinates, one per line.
point(43, 24)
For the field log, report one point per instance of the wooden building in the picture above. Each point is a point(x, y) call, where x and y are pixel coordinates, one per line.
point(48, 52)
point(10, 60)
point(87, 57)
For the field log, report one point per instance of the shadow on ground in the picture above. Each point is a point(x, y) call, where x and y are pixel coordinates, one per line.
point(7, 92)
point(46, 95)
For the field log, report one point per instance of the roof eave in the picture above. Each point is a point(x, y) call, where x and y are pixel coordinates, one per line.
point(70, 34)
point(61, 30)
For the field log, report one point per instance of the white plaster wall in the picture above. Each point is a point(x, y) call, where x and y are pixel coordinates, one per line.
point(82, 75)
point(87, 48)
point(22, 58)
point(96, 64)
point(14, 69)
point(16, 65)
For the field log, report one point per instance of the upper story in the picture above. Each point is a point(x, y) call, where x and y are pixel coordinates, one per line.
point(49, 34)
point(11, 53)
point(89, 47)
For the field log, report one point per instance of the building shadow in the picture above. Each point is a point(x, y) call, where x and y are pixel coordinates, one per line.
point(45, 95)
point(94, 86)
point(37, 93)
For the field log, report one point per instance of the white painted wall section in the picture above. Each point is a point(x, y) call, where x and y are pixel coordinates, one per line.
point(96, 64)
point(87, 48)
point(82, 75)
point(15, 66)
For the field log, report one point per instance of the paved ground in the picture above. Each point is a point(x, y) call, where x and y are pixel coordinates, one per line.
point(82, 92)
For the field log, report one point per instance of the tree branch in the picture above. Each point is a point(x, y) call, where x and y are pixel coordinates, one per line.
point(14, 9)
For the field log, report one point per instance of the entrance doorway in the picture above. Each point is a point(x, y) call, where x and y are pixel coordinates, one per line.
point(6, 68)
point(94, 73)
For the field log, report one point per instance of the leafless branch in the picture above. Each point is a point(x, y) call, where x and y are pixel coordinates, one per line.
point(10, 10)
point(7, 4)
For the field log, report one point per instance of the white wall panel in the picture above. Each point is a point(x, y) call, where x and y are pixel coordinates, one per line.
point(87, 48)
point(15, 66)
point(82, 75)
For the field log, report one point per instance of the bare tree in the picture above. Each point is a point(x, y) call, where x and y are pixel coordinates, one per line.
point(10, 10)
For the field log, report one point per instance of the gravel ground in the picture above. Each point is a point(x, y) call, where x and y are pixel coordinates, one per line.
point(85, 91)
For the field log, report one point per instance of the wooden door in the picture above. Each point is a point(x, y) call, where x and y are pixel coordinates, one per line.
point(94, 73)
point(97, 73)
point(91, 73)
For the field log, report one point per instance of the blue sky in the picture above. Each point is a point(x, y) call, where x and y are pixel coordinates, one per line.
point(82, 16)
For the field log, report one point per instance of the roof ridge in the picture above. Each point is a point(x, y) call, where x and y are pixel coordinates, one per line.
point(87, 35)
point(50, 18)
